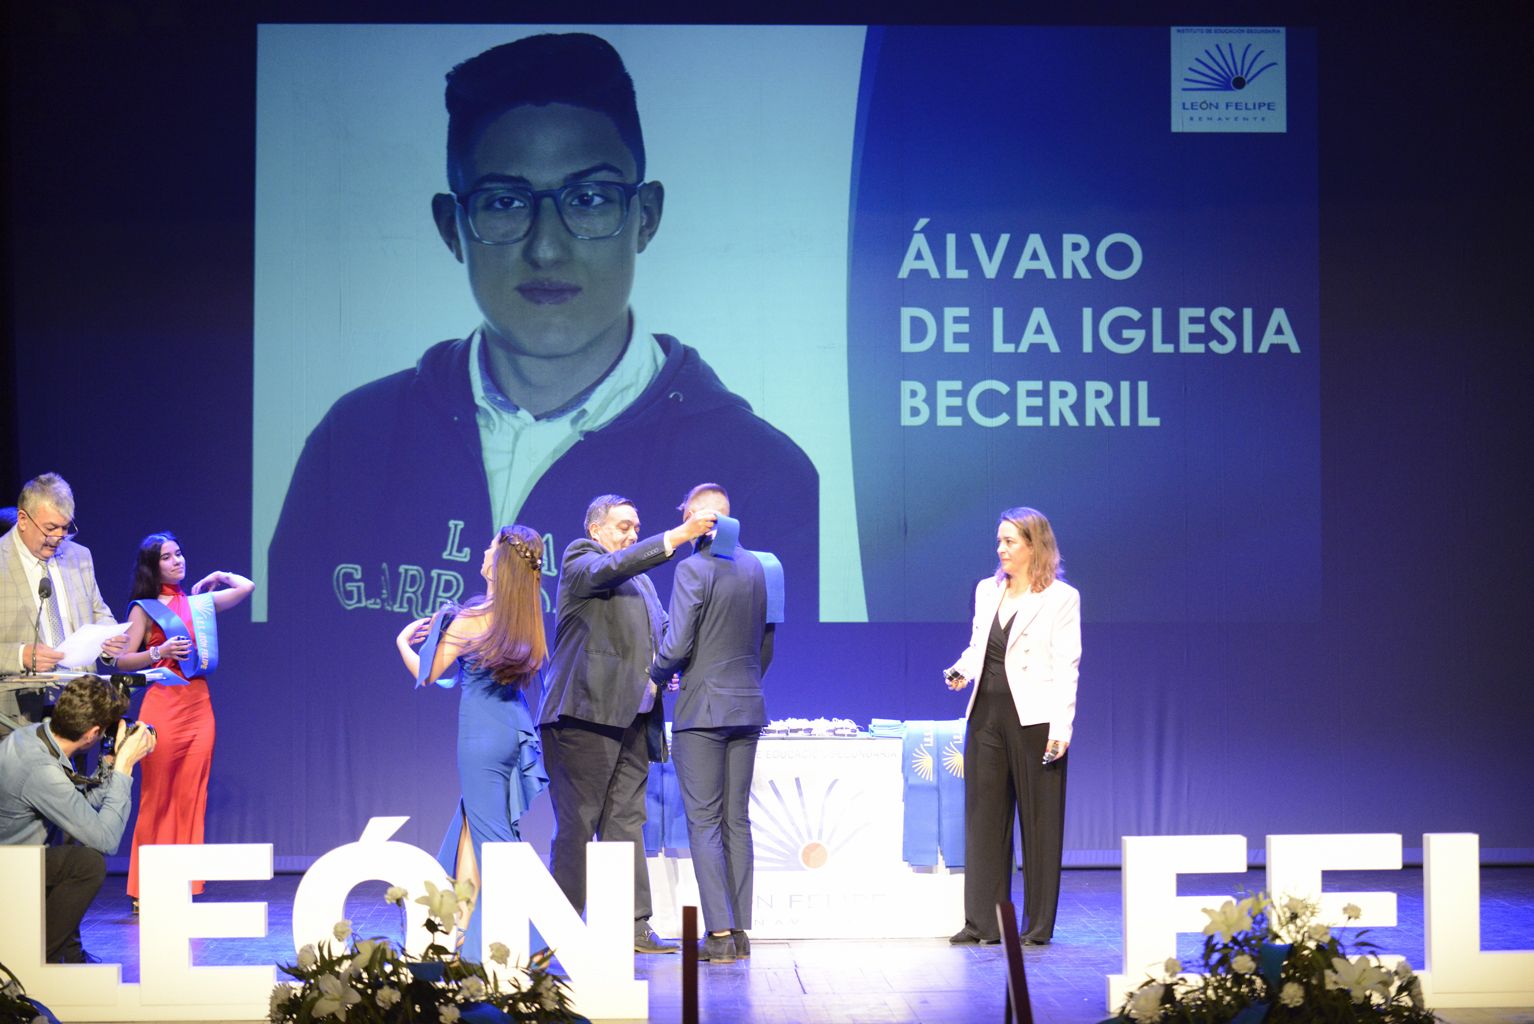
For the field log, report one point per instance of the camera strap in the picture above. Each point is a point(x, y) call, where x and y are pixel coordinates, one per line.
point(84, 781)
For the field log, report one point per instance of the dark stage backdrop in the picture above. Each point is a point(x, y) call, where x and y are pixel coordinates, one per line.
point(1261, 353)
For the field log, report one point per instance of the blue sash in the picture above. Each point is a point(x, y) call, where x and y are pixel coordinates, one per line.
point(918, 758)
point(428, 653)
point(933, 763)
point(665, 824)
point(773, 570)
point(727, 539)
point(202, 658)
point(950, 790)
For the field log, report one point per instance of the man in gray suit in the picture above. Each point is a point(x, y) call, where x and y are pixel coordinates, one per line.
point(39, 556)
point(602, 720)
point(719, 639)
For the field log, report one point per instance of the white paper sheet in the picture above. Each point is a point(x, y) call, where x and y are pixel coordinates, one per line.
point(82, 647)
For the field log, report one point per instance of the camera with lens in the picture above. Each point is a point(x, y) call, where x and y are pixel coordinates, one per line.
point(109, 740)
point(124, 683)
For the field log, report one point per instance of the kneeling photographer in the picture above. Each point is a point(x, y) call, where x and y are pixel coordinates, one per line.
point(44, 801)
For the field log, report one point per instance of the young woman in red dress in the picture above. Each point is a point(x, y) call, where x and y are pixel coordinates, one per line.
point(172, 629)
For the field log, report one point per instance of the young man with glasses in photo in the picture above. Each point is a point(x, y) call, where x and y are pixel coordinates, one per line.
point(47, 591)
point(561, 390)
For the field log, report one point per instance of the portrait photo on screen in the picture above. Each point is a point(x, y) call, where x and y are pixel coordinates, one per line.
point(877, 298)
point(447, 342)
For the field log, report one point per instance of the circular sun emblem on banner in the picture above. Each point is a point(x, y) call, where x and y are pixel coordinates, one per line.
point(1218, 69)
point(802, 831)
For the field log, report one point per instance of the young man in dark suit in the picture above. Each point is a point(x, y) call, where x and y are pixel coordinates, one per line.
point(719, 638)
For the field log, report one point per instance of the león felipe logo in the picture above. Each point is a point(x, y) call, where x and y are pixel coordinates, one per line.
point(1233, 79)
point(1220, 69)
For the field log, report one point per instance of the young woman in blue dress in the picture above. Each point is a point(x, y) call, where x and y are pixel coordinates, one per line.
point(491, 648)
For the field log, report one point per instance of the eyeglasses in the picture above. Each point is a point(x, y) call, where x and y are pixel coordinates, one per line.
point(66, 531)
point(589, 210)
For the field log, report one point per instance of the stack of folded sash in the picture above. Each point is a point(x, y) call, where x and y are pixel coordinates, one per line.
point(933, 764)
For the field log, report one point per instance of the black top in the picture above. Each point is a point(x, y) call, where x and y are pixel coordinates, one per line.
point(993, 675)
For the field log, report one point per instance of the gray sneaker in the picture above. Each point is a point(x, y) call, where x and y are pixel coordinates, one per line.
point(718, 949)
point(742, 943)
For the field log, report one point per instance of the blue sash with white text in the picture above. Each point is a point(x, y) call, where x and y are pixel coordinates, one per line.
point(202, 658)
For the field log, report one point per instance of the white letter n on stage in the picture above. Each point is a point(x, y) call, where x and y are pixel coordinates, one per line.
point(598, 953)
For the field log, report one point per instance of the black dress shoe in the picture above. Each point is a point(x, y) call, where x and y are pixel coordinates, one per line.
point(1029, 940)
point(646, 941)
point(742, 943)
point(967, 936)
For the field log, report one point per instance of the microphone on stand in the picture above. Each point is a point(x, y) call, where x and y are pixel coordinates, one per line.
point(44, 593)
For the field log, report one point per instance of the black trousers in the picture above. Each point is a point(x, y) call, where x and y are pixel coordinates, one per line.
point(1003, 773)
point(597, 777)
point(72, 878)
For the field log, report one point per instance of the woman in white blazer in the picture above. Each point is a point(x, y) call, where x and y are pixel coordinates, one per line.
point(1024, 649)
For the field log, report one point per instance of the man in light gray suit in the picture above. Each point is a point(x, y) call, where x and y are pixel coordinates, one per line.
point(39, 548)
point(602, 721)
point(719, 639)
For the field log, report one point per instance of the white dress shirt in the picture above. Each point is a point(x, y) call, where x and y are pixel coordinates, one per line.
point(518, 447)
point(34, 568)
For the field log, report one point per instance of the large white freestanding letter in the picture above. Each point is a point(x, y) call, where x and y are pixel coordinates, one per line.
point(1458, 972)
point(172, 987)
point(22, 874)
point(169, 921)
point(321, 897)
point(1295, 864)
point(598, 954)
point(1153, 912)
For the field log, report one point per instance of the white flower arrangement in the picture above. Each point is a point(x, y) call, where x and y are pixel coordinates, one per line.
point(371, 981)
point(1270, 963)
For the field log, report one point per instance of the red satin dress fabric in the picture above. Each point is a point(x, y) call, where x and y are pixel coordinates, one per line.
point(174, 799)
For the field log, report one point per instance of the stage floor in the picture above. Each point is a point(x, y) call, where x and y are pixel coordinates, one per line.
point(867, 982)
